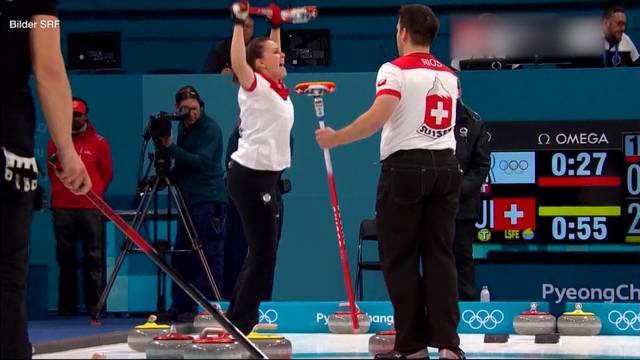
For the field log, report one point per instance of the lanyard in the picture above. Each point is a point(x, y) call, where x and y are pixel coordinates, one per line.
point(615, 60)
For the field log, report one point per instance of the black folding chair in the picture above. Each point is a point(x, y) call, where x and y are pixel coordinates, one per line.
point(367, 233)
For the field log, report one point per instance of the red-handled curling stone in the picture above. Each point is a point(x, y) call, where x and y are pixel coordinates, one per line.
point(214, 343)
point(382, 342)
point(205, 320)
point(340, 321)
point(534, 322)
point(168, 346)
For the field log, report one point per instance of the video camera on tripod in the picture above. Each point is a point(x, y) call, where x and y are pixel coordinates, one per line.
point(159, 126)
point(147, 203)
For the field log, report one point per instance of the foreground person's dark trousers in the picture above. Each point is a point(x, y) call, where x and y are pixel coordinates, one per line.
point(15, 220)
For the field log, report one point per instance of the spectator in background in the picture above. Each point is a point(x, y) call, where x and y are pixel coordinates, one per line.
point(619, 50)
point(76, 219)
point(219, 58)
point(472, 151)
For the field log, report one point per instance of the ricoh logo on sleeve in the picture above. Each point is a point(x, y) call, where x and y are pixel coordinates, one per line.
point(623, 292)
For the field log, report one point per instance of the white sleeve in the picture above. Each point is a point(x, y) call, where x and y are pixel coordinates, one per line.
point(455, 63)
point(633, 51)
point(259, 86)
point(262, 85)
point(389, 80)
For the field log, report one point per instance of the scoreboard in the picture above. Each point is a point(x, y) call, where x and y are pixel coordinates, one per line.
point(562, 182)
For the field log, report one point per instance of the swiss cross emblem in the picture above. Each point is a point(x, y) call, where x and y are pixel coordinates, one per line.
point(438, 117)
point(514, 213)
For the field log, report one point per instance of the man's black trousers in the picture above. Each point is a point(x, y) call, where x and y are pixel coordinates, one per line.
point(416, 206)
point(70, 227)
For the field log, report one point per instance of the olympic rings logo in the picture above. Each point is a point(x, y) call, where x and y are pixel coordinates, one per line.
point(270, 316)
point(513, 166)
point(624, 321)
point(483, 319)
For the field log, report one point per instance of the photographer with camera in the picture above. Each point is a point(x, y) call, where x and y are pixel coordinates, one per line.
point(198, 174)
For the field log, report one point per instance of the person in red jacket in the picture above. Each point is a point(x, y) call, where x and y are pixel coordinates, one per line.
point(76, 219)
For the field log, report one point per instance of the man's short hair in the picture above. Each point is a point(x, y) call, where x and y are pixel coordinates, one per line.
point(610, 10)
point(421, 23)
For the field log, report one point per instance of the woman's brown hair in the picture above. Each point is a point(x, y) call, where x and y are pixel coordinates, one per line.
point(255, 50)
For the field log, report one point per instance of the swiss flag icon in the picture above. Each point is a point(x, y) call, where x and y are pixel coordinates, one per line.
point(514, 213)
point(439, 103)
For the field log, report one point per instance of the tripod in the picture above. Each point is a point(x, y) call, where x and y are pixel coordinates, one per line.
point(148, 188)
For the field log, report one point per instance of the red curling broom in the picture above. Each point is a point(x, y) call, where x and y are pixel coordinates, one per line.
point(338, 322)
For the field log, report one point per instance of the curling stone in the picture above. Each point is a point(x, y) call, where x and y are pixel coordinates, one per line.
point(273, 345)
point(382, 342)
point(579, 323)
point(534, 322)
point(214, 343)
point(204, 320)
point(143, 334)
point(168, 346)
point(340, 321)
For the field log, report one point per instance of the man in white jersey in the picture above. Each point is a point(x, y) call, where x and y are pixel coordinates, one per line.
point(418, 189)
point(619, 50)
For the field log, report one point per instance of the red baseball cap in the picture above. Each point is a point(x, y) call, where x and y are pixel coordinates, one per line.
point(79, 107)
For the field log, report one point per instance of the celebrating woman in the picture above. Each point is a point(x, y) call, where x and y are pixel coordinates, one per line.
point(266, 118)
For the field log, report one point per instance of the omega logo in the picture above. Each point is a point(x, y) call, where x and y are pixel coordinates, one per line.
point(576, 138)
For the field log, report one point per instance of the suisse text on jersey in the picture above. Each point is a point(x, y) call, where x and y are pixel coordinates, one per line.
point(26, 24)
